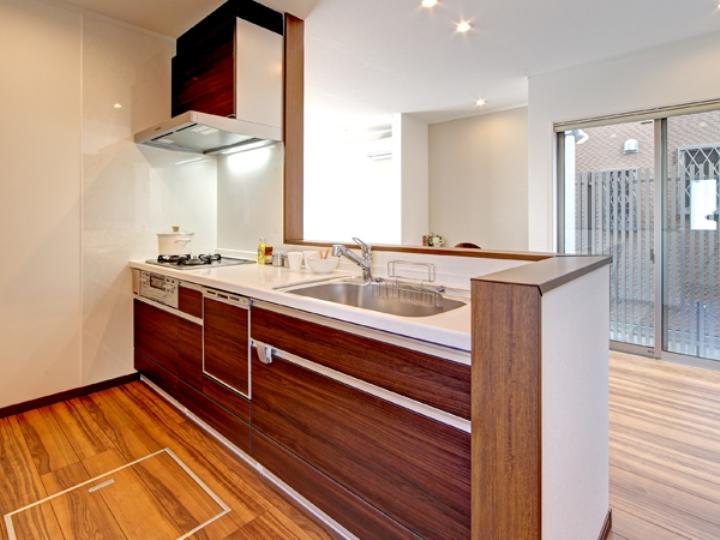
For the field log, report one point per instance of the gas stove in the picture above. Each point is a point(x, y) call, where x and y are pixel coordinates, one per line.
point(194, 262)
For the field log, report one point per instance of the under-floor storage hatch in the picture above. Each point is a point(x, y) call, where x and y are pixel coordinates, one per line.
point(157, 496)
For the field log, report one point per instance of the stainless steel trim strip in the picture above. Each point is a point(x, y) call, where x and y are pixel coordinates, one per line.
point(446, 353)
point(374, 390)
point(168, 309)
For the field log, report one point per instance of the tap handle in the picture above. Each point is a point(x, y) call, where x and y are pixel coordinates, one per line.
point(365, 248)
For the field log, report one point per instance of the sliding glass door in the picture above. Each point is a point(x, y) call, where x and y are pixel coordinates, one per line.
point(609, 188)
point(663, 236)
point(691, 254)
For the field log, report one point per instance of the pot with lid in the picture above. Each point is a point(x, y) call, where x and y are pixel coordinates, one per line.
point(175, 242)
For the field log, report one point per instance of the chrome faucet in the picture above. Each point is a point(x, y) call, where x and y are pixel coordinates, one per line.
point(364, 260)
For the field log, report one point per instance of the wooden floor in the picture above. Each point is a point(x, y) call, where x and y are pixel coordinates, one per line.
point(46, 451)
point(664, 450)
point(664, 465)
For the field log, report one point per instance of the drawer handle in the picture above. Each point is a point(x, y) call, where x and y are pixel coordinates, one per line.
point(264, 352)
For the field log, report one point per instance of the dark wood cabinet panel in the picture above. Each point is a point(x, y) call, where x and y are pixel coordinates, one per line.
point(355, 514)
point(415, 469)
point(203, 70)
point(230, 426)
point(155, 334)
point(440, 383)
point(161, 377)
point(226, 344)
point(205, 82)
point(190, 301)
point(188, 352)
point(232, 401)
point(169, 341)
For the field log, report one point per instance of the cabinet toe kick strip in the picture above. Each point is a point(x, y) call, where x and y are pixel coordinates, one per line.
point(268, 352)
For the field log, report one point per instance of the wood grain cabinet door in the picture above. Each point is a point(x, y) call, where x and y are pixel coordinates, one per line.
point(226, 344)
point(155, 335)
point(168, 341)
point(412, 468)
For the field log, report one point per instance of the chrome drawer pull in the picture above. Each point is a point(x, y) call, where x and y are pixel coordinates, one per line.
point(264, 352)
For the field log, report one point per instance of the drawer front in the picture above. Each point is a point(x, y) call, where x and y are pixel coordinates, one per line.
point(154, 334)
point(413, 468)
point(232, 401)
point(227, 424)
point(440, 383)
point(356, 515)
point(161, 377)
point(190, 301)
point(188, 349)
point(173, 343)
point(226, 344)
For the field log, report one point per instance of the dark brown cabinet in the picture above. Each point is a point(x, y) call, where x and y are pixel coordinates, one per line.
point(169, 342)
point(420, 376)
point(226, 343)
point(379, 463)
point(204, 70)
point(414, 469)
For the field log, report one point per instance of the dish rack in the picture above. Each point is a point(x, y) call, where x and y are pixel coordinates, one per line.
point(413, 290)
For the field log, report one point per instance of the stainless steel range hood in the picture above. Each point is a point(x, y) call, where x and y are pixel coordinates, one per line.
point(203, 133)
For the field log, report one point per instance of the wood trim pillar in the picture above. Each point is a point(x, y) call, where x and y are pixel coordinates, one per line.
point(293, 127)
point(506, 411)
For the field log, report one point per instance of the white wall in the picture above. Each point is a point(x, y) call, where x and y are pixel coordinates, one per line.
point(40, 213)
point(478, 180)
point(79, 197)
point(250, 199)
point(410, 154)
point(673, 74)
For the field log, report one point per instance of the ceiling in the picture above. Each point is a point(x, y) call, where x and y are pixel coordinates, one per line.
point(173, 17)
point(380, 56)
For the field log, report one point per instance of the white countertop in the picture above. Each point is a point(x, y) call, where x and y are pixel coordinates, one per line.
point(451, 328)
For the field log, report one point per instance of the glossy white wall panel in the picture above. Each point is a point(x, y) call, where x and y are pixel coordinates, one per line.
point(40, 100)
point(250, 198)
point(129, 193)
point(259, 74)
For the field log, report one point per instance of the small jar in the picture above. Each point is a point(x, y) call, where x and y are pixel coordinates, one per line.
point(278, 258)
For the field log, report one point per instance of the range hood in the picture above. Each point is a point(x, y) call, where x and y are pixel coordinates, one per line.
point(209, 134)
point(227, 84)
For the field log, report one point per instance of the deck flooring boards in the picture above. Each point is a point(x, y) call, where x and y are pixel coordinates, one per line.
point(664, 450)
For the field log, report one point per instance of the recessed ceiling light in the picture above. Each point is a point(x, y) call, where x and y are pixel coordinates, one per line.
point(480, 102)
point(463, 26)
point(429, 3)
point(117, 106)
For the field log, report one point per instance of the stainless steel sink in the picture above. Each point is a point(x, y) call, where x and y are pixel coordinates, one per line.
point(387, 297)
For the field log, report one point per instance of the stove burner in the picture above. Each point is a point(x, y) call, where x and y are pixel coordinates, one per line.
point(189, 260)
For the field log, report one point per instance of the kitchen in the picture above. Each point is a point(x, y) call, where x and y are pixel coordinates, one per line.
point(260, 341)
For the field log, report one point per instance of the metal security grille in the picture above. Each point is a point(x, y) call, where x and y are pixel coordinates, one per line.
point(691, 292)
point(614, 216)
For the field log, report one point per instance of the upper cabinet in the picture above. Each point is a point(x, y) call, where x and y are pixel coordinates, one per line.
point(231, 64)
